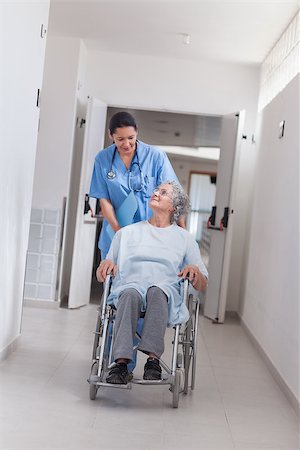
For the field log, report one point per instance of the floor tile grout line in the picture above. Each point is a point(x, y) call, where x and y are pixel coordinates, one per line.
point(217, 384)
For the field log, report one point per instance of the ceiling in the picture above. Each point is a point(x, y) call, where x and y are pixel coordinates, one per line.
point(237, 31)
point(173, 129)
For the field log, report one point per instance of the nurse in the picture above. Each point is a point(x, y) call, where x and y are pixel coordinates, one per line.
point(124, 177)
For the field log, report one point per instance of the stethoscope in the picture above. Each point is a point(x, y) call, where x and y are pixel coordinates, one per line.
point(111, 174)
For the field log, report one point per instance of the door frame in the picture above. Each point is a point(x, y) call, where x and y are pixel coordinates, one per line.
point(193, 113)
point(75, 202)
point(222, 242)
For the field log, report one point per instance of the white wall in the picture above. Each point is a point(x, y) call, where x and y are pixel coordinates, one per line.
point(271, 303)
point(58, 106)
point(52, 169)
point(63, 101)
point(175, 85)
point(21, 59)
point(77, 102)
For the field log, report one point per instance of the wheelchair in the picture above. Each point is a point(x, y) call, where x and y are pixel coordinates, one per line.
point(179, 375)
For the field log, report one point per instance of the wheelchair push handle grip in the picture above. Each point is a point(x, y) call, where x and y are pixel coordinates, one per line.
point(223, 222)
point(107, 283)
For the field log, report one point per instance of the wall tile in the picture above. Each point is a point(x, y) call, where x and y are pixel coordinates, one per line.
point(42, 255)
point(44, 292)
point(30, 290)
point(51, 216)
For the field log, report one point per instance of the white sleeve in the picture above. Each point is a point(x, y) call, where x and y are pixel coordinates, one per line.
point(113, 251)
point(193, 256)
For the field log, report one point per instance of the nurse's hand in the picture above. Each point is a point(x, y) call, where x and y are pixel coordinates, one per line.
point(105, 268)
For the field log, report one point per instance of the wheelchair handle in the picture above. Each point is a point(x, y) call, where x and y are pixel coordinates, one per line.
point(106, 287)
point(107, 282)
point(186, 283)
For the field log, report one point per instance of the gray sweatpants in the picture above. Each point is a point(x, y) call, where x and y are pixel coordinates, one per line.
point(155, 322)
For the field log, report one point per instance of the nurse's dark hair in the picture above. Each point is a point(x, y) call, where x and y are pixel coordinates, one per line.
point(120, 120)
point(181, 201)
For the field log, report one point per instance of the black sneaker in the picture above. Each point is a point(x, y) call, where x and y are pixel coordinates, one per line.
point(118, 374)
point(152, 370)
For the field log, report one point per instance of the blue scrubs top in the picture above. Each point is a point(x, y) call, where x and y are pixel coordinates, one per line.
point(155, 169)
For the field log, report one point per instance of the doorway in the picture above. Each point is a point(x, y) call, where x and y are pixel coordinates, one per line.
point(181, 136)
point(221, 221)
point(202, 193)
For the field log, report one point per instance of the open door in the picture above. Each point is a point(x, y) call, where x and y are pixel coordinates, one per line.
point(221, 219)
point(84, 239)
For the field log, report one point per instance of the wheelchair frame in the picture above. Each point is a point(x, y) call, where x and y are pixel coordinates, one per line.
point(180, 376)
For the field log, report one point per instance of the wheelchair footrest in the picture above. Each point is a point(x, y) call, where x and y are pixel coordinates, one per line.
point(119, 386)
point(151, 382)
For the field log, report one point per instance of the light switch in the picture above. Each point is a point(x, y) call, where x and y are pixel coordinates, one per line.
point(281, 129)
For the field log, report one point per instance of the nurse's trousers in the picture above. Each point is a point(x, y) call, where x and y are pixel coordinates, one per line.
point(155, 323)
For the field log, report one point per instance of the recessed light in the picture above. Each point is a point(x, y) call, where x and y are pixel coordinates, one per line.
point(186, 38)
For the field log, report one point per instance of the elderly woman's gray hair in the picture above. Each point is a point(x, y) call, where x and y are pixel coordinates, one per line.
point(181, 202)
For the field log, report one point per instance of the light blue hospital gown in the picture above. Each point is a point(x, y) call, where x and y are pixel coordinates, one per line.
point(146, 256)
point(155, 167)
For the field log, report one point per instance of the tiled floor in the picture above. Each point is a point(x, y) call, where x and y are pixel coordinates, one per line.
point(44, 402)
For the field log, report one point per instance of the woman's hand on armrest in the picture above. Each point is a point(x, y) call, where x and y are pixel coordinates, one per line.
point(196, 278)
point(105, 268)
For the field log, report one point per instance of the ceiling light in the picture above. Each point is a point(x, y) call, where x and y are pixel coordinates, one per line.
point(212, 153)
point(186, 38)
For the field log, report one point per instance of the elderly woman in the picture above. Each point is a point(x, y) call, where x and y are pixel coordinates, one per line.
point(147, 260)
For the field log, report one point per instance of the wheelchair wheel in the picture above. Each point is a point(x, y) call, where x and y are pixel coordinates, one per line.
point(97, 337)
point(98, 331)
point(188, 344)
point(176, 388)
point(103, 341)
point(194, 358)
point(93, 387)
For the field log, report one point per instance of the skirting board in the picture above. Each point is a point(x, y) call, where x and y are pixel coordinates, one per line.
point(274, 372)
point(9, 349)
point(35, 303)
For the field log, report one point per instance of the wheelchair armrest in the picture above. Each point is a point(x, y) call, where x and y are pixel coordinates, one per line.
point(107, 282)
point(106, 290)
point(185, 283)
point(184, 280)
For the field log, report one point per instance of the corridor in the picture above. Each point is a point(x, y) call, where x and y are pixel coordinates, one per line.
point(45, 403)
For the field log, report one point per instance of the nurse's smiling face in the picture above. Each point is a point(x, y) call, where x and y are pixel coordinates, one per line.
point(125, 140)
